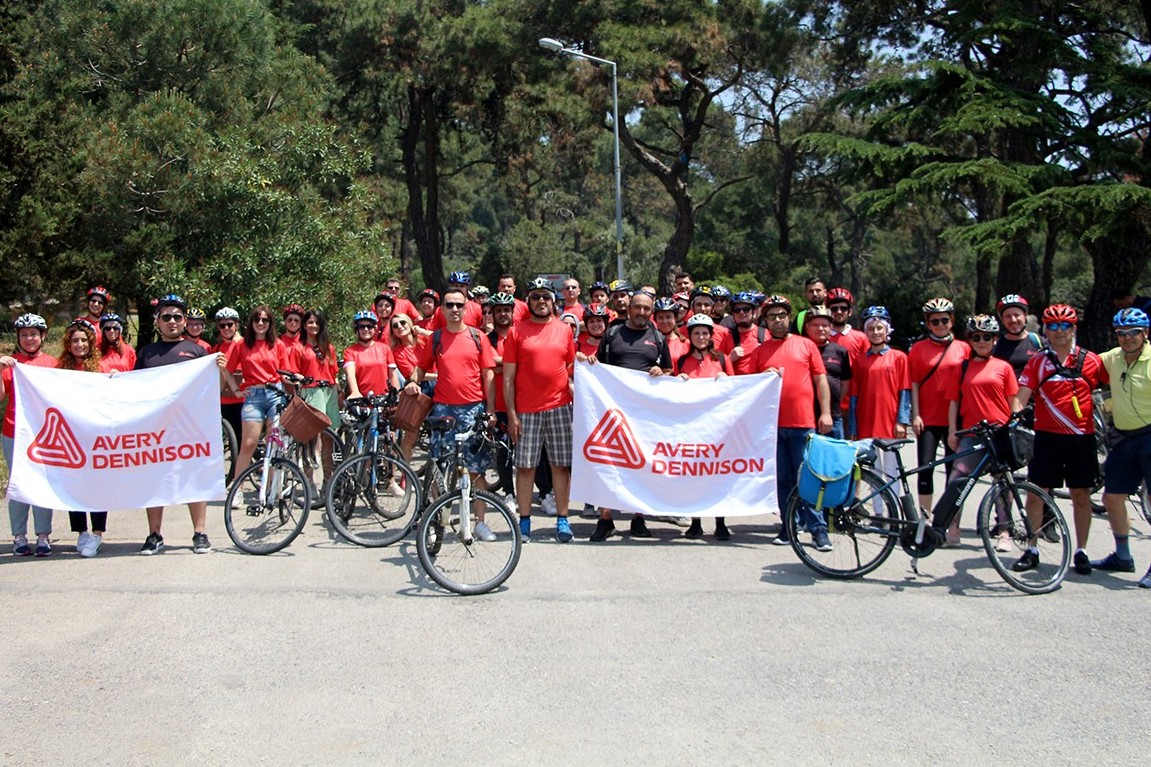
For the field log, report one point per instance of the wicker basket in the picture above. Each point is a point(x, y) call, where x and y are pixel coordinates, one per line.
point(303, 421)
point(411, 411)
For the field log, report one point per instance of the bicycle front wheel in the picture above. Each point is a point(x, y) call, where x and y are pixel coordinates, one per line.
point(373, 499)
point(1007, 534)
point(264, 518)
point(863, 532)
point(230, 448)
point(464, 563)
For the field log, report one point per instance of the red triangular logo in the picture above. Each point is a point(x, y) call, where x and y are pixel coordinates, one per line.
point(612, 442)
point(56, 445)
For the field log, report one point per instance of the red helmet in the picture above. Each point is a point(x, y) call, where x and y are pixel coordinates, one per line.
point(100, 292)
point(1011, 300)
point(839, 294)
point(294, 309)
point(1060, 313)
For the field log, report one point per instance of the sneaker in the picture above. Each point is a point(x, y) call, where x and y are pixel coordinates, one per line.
point(1081, 562)
point(821, 541)
point(43, 546)
point(91, 546)
point(200, 543)
point(1050, 530)
point(1145, 581)
point(153, 544)
point(695, 530)
point(484, 533)
point(563, 530)
point(589, 511)
point(1004, 542)
point(604, 529)
point(781, 539)
point(526, 529)
point(511, 503)
point(20, 546)
point(82, 541)
point(1112, 563)
point(1029, 561)
point(548, 504)
point(721, 532)
point(639, 528)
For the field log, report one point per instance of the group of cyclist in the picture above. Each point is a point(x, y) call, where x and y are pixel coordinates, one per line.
point(476, 352)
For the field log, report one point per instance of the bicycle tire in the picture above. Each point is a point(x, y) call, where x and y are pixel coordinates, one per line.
point(862, 533)
point(1003, 510)
point(264, 525)
point(230, 448)
point(362, 509)
point(468, 567)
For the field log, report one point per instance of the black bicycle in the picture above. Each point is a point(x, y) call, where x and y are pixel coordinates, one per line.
point(865, 530)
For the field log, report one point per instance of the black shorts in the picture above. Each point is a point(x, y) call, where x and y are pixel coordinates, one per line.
point(1064, 458)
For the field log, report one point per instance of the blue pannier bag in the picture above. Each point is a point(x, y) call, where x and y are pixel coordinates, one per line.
point(829, 472)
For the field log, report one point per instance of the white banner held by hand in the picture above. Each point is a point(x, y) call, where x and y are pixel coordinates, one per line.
point(94, 442)
point(703, 447)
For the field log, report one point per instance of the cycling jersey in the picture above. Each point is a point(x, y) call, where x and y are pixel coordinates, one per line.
point(1062, 395)
point(1130, 387)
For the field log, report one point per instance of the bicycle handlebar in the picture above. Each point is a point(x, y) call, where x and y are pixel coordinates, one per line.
point(300, 379)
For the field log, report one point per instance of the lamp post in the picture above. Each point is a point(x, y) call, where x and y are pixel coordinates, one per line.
point(555, 46)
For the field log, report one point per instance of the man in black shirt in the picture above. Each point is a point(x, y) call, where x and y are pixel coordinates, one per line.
point(1016, 345)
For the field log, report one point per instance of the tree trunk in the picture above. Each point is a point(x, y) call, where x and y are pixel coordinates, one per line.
point(421, 176)
point(783, 198)
point(675, 252)
point(1118, 260)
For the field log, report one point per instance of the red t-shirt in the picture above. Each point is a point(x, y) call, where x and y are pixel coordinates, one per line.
point(225, 348)
point(921, 358)
point(587, 345)
point(1055, 400)
point(312, 366)
point(41, 360)
point(259, 364)
point(404, 306)
point(373, 366)
point(987, 390)
point(459, 366)
point(121, 361)
point(576, 311)
point(799, 359)
point(498, 378)
point(708, 367)
point(855, 341)
point(543, 354)
point(293, 352)
point(677, 346)
point(521, 312)
point(748, 341)
point(406, 357)
point(199, 342)
point(473, 317)
point(876, 383)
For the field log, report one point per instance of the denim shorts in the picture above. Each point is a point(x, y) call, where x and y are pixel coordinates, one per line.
point(259, 404)
point(476, 457)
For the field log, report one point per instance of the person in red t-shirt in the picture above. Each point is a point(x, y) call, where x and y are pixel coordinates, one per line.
point(571, 302)
point(746, 334)
point(293, 334)
point(318, 362)
point(702, 302)
point(369, 365)
point(595, 325)
point(30, 332)
point(880, 389)
point(230, 402)
point(666, 317)
point(116, 354)
point(507, 284)
point(983, 388)
point(1062, 379)
point(931, 362)
point(799, 360)
point(473, 315)
point(429, 302)
point(538, 359)
point(503, 308)
point(703, 361)
point(395, 287)
point(96, 305)
point(840, 302)
point(194, 330)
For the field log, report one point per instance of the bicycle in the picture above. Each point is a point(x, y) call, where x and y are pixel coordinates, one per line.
point(865, 530)
point(267, 506)
point(447, 544)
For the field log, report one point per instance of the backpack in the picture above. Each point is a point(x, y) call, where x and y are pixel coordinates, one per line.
point(761, 334)
point(829, 472)
point(437, 335)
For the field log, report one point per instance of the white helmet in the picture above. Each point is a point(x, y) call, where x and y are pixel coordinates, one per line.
point(700, 319)
point(227, 313)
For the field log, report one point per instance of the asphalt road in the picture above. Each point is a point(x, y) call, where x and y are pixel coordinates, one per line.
point(663, 651)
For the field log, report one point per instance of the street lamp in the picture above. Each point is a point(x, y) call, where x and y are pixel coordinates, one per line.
point(555, 46)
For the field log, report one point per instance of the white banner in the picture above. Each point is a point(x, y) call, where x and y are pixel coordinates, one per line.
point(96, 442)
point(703, 447)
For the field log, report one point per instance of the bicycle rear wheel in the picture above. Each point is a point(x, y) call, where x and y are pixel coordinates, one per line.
point(468, 566)
point(373, 499)
point(862, 533)
point(1003, 524)
point(230, 449)
point(268, 518)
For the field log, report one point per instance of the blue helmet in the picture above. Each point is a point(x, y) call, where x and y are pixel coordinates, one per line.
point(719, 291)
point(365, 315)
point(876, 312)
point(460, 278)
point(664, 304)
point(110, 318)
point(171, 299)
point(744, 297)
point(1130, 318)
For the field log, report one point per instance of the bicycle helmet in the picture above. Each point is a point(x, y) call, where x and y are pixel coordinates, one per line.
point(361, 316)
point(744, 297)
point(170, 299)
point(839, 294)
point(939, 306)
point(111, 318)
point(664, 305)
point(379, 297)
point(502, 299)
point(539, 283)
point(719, 292)
point(818, 311)
point(428, 292)
point(82, 322)
point(700, 290)
point(982, 323)
point(594, 310)
point(1060, 313)
point(618, 286)
point(597, 285)
point(777, 300)
point(100, 292)
point(481, 290)
point(876, 313)
point(195, 313)
point(227, 313)
point(1011, 300)
point(30, 321)
point(460, 278)
point(1130, 318)
point(681, 297)
point(700, 319)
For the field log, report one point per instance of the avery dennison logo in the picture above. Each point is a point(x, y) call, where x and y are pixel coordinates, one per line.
point(56, 445)
point(612, 442)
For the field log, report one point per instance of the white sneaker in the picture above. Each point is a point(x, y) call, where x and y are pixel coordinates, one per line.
point(1004, 543)
point(483, 532)
point(548, 504)
point(82, 542)
point(511, 502)
point(91, 546)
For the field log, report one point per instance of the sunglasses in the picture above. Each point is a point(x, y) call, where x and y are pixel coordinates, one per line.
point(1128, 332)
point(398, 325)
point(225, 324)
point(1053, 326)
point(453, 305)
point(365, 326)
point(261, 320)
point(171, 317)
point(110, 328)
point(571, 287)
point(981, 337)
point(741, 309)
point(778, 316)
point(941, 321)
point(539, 297)
point(839, 308)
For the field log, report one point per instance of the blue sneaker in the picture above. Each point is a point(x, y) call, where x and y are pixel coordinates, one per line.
point(43, 547)
point(563, 529)
point(1113, 563)
point(20, 546)
point(526, 529)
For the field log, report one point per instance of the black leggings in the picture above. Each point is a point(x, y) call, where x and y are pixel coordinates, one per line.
point(927, 445)
point(79, 524)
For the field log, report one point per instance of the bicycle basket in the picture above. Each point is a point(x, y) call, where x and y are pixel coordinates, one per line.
point(1013, 445)
point(303, 421)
